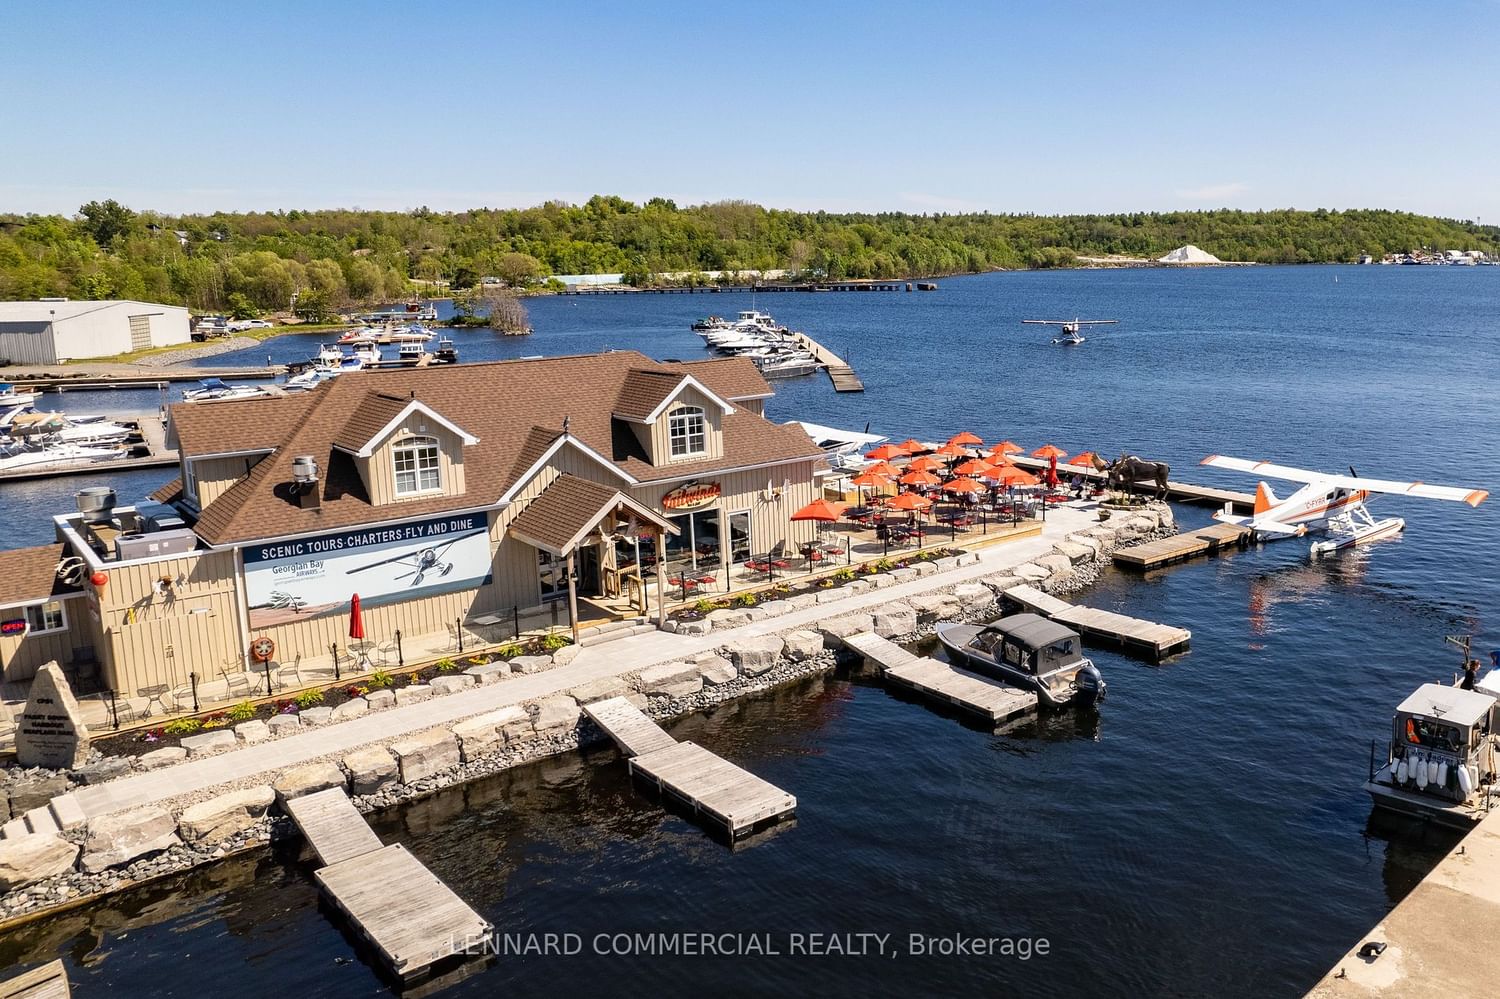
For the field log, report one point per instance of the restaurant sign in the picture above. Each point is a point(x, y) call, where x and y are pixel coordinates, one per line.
point(691, 495)
point(288, 580)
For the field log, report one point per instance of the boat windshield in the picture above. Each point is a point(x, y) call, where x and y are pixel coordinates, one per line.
point(986, 641)
point(1432, 734)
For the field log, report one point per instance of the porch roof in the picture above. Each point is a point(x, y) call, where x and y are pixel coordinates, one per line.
point(567, 510)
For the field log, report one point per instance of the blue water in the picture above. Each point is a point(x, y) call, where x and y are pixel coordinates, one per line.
point(1204, 835)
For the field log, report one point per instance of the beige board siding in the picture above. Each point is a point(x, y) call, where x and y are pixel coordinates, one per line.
point(167, 649)
point(713, 418)
point(379, 472)
point(22, 655)
point(791, 489)
point(214, 476)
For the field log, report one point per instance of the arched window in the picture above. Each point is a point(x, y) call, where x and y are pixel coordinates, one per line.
point(686, 432)
point(417, 469)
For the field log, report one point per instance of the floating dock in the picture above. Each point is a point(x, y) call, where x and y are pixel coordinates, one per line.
point(1145, 638)
point(839, 372)
point(153, 441)
point(991, 700)
point(1184, 491)
point(50, 981)
point(1181, 547)
point(747, 289)
point(123, 376)
point(731, 798)
point(399, 907)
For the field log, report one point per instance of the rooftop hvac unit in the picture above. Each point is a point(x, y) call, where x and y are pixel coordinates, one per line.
point(135, 545)
point(158, 517)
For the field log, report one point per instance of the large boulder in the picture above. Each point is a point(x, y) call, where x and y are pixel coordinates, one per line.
point(1088, 541)
point(425, 754)
point(695, 628)
point(36, 792)
point(119, 838)
point(1075, 552)
point(414, 693)
point(1030, 572)
point(306, 779)
point(480, 735)
point(252, 731)
point(352, 708)
point(209, 742)
point(894, 619)
point(599, 690)
point(659, 678)
point(728, 617)
point(280, 725)
point(564, 655)
point(103, 770)
point(973, 596)
point(451, 683)
point(757, 655)
point(932, 607)
point(158, 758)
point(802, 601)
point(835, 630)
point(25, 860)
point(221, 817)
point(1001, 581)
point(556, 713)
point(1060, 581)
point(315, 717)
point(1054, 563)
point(905, 574)
point(717, 671)
point(530, 664)
point(379, 700)
point(495, 672)
point(371, 770)
point(802, 644)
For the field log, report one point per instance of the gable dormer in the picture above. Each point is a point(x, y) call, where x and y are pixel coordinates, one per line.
point(405, 449)
point(675, 417)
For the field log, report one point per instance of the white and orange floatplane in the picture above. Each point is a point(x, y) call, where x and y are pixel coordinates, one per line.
point(1326, 502)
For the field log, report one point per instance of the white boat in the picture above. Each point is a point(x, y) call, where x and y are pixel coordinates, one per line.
point(1441, 761)
point(408, 334)
point(46, 428)
point(410, 353)
point(10, 397)
point(367, 351)
point(214, 388)
point(16, 457)
point(1028, 652)
point(360, 334)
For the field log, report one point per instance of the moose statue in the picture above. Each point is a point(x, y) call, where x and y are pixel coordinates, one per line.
point(1127, 470)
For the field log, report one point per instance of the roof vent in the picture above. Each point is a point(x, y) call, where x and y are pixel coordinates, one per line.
point(305, 479)
point(97, 504)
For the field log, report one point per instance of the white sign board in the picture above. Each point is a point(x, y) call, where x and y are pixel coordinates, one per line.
point(289, 580)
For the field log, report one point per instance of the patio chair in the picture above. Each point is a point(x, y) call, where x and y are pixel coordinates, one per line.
point(285, 671)
point(236, 684)
point(122, 710)
point(385, 653)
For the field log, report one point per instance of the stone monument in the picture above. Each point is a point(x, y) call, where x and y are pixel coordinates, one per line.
point(50, 731)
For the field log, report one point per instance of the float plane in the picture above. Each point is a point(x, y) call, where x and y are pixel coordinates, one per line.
point(1071, 333)
point(1326, 502)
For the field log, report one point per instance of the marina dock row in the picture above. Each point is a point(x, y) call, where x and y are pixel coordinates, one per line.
point(730, 798)
point(1147, 639)
point(989, 700)
point(153, 442)
point(409, 917)
point(839, 371)
point(746, 289)
point(1181, 547)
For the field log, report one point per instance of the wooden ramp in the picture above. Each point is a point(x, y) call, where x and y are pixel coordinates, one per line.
point(713, 787)
point(1146, 638)
point(989, 699)
point(839, 372)
point(628, 726)
point(1184, 546)
point(710, 786)
point(399, 907)
point(50, 981)
point(333, 826)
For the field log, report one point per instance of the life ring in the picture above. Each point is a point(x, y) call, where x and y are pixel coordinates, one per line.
point(262, 649)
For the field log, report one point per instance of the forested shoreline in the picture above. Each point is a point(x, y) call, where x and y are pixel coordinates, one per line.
point(327, 259)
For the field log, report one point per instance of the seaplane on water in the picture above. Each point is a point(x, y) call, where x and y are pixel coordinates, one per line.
point(1071, 332)
point(1331, 503)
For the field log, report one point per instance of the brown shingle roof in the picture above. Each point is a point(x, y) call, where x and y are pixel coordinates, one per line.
point(731, 377)
point(563, 510)
point(516, 410)
point(373, 414)
point(29, 574)
point(169, 493)
point(643, 391)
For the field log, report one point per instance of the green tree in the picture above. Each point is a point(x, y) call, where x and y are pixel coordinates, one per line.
point(520, 269)
point(241, 307)
point(104, 220)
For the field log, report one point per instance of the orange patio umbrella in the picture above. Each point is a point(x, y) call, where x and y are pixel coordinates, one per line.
point(908, 501)
point(886, 452)
point(820, 510)
point(1049, 452)
point(1007, 447)
point(1013, 476)
point(873, 479)
point(926, 463)
point(919, 478)
point(883, 468)
point(963, 486)
point(1084, 458)
point(955, 451)
point(965, 437)
point(912, 445)
point(973, 466)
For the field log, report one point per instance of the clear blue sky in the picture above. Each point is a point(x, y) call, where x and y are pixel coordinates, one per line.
point(1015, 107)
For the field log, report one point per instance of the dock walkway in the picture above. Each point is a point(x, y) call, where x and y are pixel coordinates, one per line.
point(1181, 547)
point(709, 785)
point(1155, 641)
point(403, 910)
point(989, 699)
point(839, 372)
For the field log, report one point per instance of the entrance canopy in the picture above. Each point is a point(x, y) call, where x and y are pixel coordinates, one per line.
point(562, 517)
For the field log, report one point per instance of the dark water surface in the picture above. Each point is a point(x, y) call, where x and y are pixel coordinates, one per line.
point(1203, 835)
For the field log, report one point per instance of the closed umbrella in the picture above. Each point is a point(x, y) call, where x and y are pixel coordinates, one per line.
point(356, 633)
point(1051, 454)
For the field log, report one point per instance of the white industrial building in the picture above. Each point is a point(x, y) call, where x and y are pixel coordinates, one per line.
point(55, 330)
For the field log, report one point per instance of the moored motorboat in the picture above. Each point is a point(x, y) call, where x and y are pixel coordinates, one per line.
point(1029, 652)
point(1441, 762)
point(16, 457)
point(214, 388)
point(446, 352)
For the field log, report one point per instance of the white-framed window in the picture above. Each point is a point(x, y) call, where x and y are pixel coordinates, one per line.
point(189, 481)
point(687, 431)
point(42, 618)
point(417, 468)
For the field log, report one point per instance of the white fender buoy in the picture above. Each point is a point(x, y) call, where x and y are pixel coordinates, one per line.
point(1402, 773)
point(1442, 775)
point(1432, 772)
point(1421, 772)
point(1465, 782)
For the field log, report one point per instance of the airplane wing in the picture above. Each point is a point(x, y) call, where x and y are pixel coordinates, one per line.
point(1263, 525)
point(1457, 494)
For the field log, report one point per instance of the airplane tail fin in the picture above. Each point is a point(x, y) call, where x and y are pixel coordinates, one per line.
point(1264, 498)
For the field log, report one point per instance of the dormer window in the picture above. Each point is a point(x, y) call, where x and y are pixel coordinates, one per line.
point(417, 468)
point(687, 431)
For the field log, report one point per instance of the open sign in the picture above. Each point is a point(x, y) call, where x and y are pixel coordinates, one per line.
point(14, 626)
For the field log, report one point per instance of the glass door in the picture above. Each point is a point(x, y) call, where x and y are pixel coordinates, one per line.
point(739, 536)
point(553, 572)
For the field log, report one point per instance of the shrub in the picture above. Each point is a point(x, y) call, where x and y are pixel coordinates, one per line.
point(380, 679)
point(509, 650)
point(885, 565)
point(182, 726)
point(356, 691)
point(703, 606)
point(843, 575)
point(243, 711)
point(746, 600)
point(309, 699)
point(555, 641)
point(217, 719)
point(446, 665)
point(478, 660)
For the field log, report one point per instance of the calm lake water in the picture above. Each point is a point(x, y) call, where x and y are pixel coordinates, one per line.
point(1204, 834)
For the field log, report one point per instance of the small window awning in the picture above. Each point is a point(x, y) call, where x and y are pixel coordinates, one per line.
point(570, 508)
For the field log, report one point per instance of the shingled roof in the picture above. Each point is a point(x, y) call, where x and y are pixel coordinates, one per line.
point(568, 509)
point(30, 574)
point(515, 409)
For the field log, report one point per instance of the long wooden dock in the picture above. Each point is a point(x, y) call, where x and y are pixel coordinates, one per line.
point(402, 910)
point(839, 372)
point(989, 699)
point(1145, 638)
point(728, 796)
point(1181, 547)
point(50, 981)
point(1183, 491)
point(153, 441)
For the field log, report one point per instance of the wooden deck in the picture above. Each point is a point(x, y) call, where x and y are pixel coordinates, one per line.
point(713, 787)
point(710, 786)
point(628, 726)
point(990, 699)
point(402, 909)
point(333, 826)
point(1149, 639)
point(1181, 547)
point(50, 981)
point(839, 372)
point(1184, 491)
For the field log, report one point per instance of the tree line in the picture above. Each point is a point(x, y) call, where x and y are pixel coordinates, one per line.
point(322, 260)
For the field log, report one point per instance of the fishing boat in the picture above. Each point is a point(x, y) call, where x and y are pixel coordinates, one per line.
point(214, 388)
point(1441, 762)
point(30, 457)
point(1029, 652)
point(446, 353)
point(410, 353)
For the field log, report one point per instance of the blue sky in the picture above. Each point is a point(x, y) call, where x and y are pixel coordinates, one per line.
point(1013, 107)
